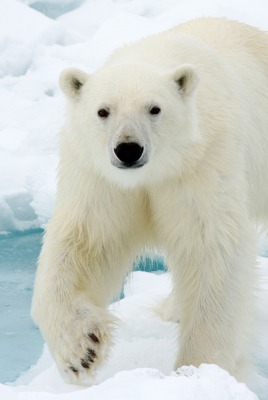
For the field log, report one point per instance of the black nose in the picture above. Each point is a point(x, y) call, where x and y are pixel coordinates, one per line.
point(128, 153)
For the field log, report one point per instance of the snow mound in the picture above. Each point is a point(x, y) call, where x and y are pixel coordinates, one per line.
point(208, 382)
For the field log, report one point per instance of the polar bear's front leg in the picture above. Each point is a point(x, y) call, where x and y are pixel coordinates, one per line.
point(214, 282)
point(210, 249)
point(73, 287)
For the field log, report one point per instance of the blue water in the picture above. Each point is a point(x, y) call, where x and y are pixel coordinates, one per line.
point(20, 340)
point(55, 10)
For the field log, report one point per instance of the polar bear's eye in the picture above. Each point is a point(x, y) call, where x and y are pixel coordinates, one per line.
point(155, 110)
point(103, 113)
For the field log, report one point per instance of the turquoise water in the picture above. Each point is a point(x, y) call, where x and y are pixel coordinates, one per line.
point(20, 341)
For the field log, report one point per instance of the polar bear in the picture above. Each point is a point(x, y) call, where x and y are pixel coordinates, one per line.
point(165, 147)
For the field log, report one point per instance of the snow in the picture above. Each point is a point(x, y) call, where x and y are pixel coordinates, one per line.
point(149, 383)
point(38, 38)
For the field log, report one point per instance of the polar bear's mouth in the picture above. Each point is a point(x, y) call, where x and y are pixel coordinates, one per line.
point(123, 166)
point(129, 155)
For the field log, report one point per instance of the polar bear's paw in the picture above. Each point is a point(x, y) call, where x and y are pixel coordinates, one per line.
point(83, 344)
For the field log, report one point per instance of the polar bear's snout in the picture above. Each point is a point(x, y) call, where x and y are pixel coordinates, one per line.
point(129, 155)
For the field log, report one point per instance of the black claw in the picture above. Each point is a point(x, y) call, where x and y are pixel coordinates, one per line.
point(84, 364)
point(73, 369)
point(91, 354)
point(93, 337)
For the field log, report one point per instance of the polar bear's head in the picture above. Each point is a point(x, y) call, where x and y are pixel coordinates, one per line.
point(132, 123)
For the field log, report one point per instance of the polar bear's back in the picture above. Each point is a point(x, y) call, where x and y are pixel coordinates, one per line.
point(228, 37)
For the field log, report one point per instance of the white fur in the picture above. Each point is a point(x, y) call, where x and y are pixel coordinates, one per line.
point(205, 178)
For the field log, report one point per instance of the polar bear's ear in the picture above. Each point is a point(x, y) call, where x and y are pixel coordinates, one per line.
point(71, 81)
point(187, 78)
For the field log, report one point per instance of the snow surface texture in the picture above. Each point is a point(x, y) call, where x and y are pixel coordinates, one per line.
point(38, 38)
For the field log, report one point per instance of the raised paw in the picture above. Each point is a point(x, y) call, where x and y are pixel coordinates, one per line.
point(83, 345)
